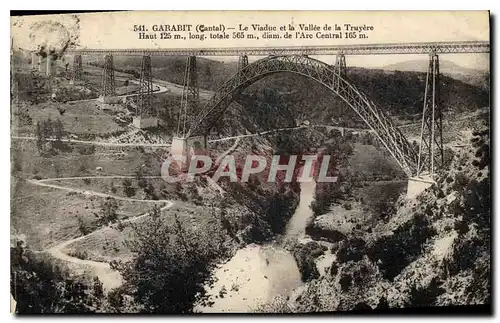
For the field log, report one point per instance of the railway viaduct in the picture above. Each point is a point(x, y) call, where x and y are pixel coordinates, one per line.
point(421, 166)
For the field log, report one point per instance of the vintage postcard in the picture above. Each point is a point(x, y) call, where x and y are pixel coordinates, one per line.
point(172, 162)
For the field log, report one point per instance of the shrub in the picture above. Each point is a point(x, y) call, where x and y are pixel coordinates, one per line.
point(305, 255)
point(170, 265)
point(78, 254)
point(351, 250)
point(109, 210)
point(396, 251)
point(40, 287)
point(82, 226)
point(128, 189)
point(86, 150)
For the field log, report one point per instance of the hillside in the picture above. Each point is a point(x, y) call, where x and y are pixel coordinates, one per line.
point(445, 66)
point(211, 73)
point(434, 251)
point(355, 243)
point(398, 92)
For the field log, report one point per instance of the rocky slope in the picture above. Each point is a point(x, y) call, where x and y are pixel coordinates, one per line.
point(433, 251)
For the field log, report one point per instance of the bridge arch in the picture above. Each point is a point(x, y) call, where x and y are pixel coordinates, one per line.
point(370, 113)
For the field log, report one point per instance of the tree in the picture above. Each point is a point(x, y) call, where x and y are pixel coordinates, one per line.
point(150, 191)
point(139, 175)
point(40, 138)
point(170, 263)
point(167, 116)
point(179, 190)
point(58, 130)
point(37, 88)
point(155, 211)
point(224, 218)
point(326, 193)
point(109, 210)
point(128, 189)
point(47, 128)
point(208, 72)
point(41, 287)
point(193, 194)
point(279, 209)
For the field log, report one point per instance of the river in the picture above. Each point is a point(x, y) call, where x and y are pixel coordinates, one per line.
point(258, 273)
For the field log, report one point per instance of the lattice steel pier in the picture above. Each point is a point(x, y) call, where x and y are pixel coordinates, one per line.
point(77, 69)
point(431, 153)
point(146, 116)
point(108, 92)
point(190, 97)
point(144, 104)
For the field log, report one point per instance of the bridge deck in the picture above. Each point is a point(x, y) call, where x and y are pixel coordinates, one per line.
point(360, 49)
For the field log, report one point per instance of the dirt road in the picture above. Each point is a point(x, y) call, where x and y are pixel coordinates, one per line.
point(108, 276)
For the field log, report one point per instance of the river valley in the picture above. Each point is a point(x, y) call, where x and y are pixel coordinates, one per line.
point(258, 273)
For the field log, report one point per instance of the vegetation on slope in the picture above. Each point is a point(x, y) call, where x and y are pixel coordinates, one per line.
point(433, 251)
point(41, 286)
point(256, 212)
point(399, 93)
point(171, 261)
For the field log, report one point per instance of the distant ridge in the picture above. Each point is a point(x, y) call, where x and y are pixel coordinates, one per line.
point(445, 66)
point(475, 77)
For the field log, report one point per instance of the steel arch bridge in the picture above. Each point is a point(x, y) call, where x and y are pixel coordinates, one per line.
point(370, 113)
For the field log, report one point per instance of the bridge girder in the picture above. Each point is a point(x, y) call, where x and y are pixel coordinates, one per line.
point(369, 112)
point(360, 49)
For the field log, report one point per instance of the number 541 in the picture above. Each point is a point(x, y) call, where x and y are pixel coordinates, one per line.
point(139, 28)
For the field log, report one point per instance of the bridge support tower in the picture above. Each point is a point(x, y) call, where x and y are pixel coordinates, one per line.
point(187, 147)
point(183, 145)
point(145, 116)
point(340, 70)
point(77, 69)
point(431, 151)
point(340, 66)
point(242, 62)
point(48, 68)
point(42, 68)
point(34, 61)
point(39, 64)
point(108, 91)
point(190, 97)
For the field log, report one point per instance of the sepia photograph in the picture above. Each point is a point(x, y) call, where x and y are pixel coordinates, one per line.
point(250, 162)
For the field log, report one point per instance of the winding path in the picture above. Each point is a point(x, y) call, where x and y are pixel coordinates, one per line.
point(43, 182)
point(161, 89)
point(116, 144)
point(108, 276)
point(97, 143)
